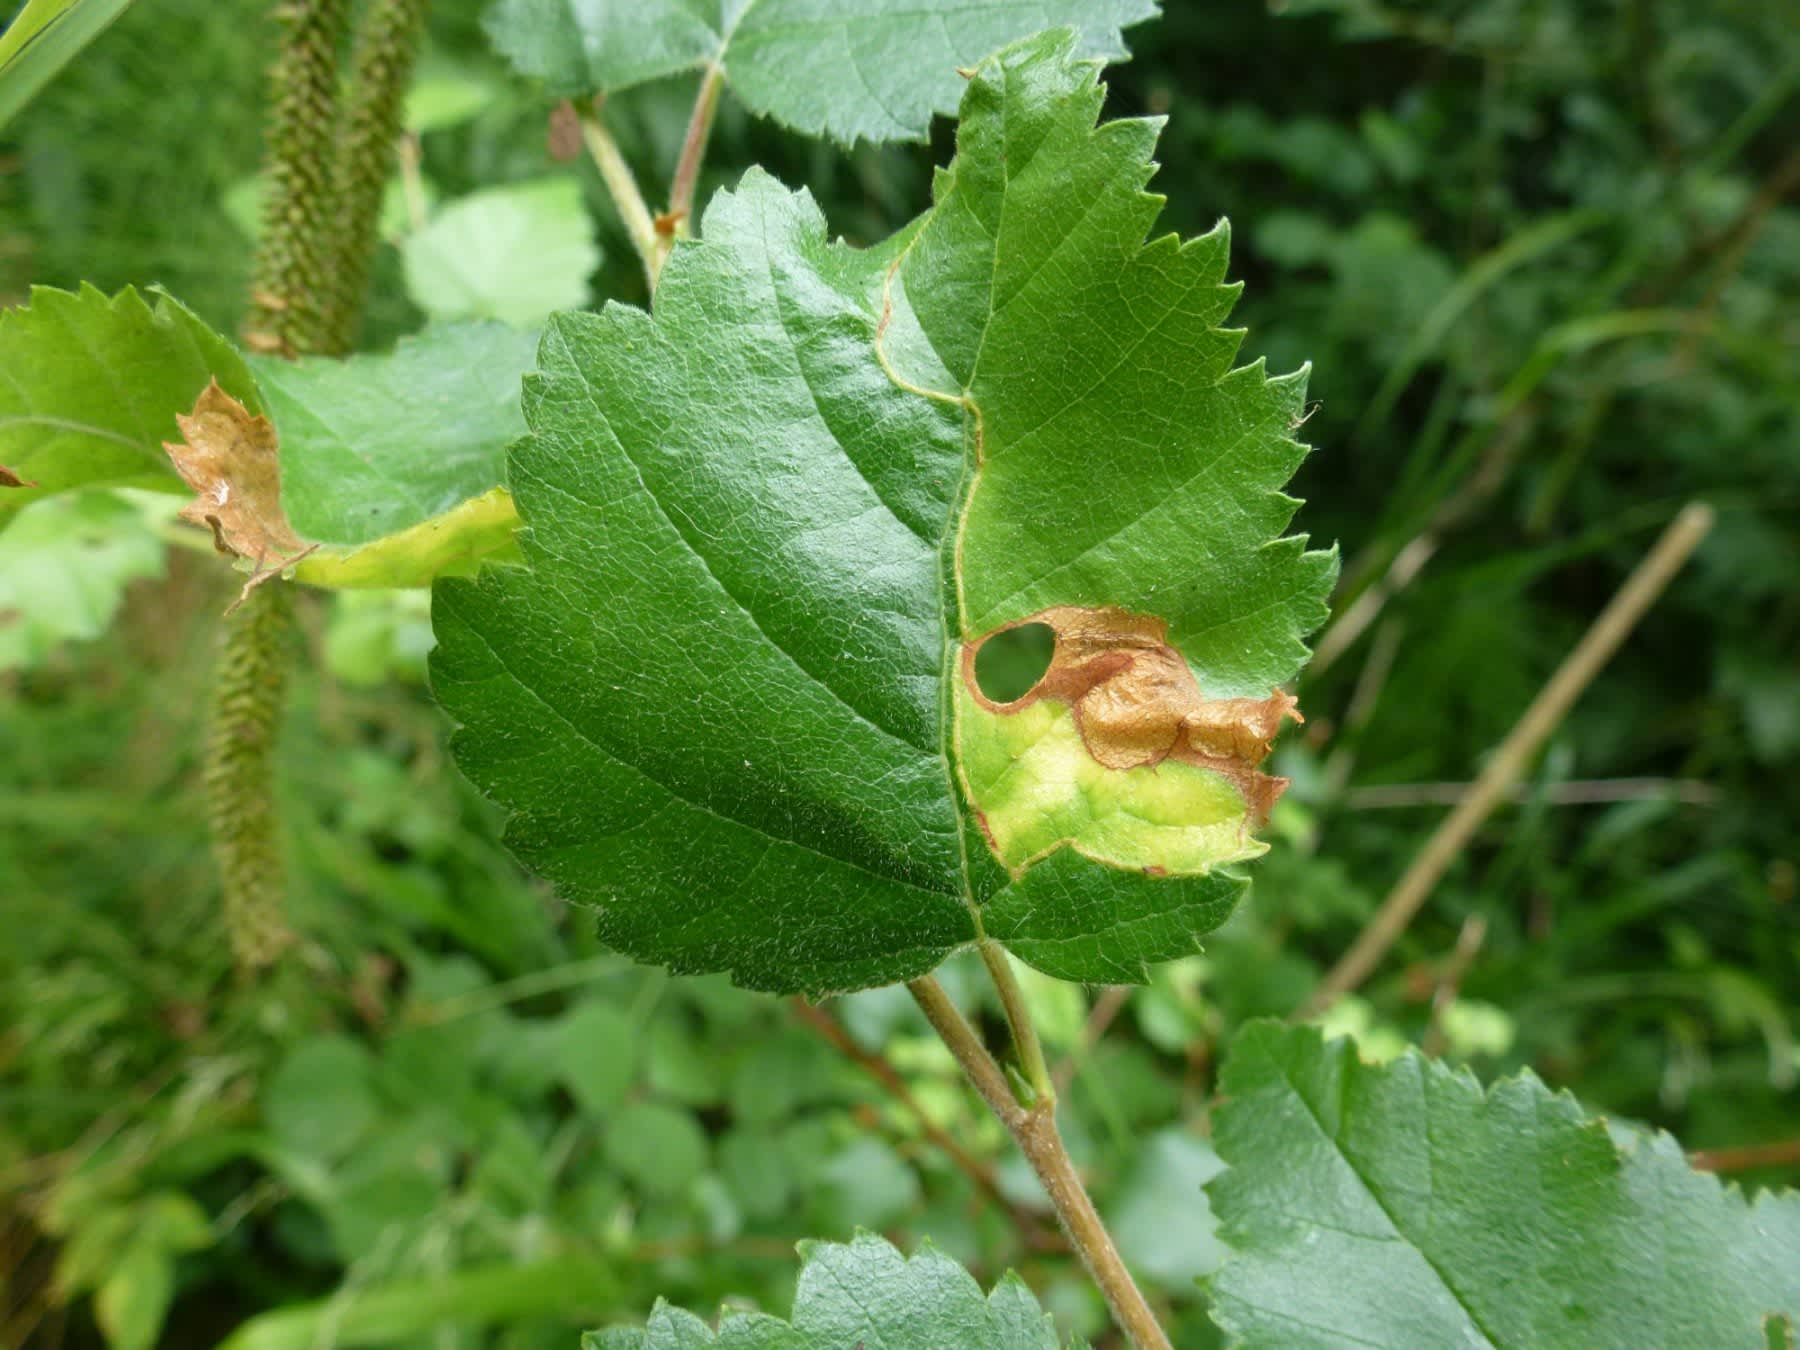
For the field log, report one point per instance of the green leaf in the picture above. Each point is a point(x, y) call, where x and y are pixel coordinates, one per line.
point(1160, 1219)
point(443, 95)
point(1403, 1205)
point(134, 1299)
point(870, 69)
point(595, 1056)
point(403, 1311)
point(90, 386)
point(377, 444)
point(322, 1099)
point(65, 564)
point(657, 1148)
point(372, 637)
point(866, 1185)
point(44, 37)
point(863, 1292)
point(513, 253)
point(769, 525)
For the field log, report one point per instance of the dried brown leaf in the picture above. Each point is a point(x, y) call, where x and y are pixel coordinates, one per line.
point(229, 459)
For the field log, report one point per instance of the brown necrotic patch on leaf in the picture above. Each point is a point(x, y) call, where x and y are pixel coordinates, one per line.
point(229, 459)
point(10, 478)
point(1136, 702)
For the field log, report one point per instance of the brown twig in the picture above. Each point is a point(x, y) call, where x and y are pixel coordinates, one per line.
point(1034, 1128)
point(1450, 978)
point(1579, 792)
point(878, 1068)
point(1745, 1157)
point(1545, 714)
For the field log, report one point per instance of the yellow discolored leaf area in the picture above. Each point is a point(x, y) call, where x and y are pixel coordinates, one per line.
point(454, 544)
point(1117, 753)
point(228, 457)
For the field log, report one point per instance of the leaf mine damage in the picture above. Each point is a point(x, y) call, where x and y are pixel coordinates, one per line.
point(1136, 703)
point(229, 459)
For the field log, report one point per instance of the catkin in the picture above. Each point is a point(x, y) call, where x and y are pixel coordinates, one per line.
point(290, 298)
point(248, 684)
point(387, 42)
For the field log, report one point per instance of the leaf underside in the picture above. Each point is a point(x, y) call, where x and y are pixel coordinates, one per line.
point(1402, 1205)
point(395, 462)
point(863, 1292)
point(392, 465)
point(849, 69)
point(725, 704)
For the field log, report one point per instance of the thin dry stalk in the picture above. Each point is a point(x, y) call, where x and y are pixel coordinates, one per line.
point(1496, 781)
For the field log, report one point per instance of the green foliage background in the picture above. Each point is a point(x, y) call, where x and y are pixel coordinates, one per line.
point(1544, 256)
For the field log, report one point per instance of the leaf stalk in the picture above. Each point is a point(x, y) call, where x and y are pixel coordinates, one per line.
point(1018, 1020)
point(693, 150)
point(622, 186)
point(1034, 1129)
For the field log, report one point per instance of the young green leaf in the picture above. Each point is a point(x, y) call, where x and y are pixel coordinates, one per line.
point(1401, 1204)
point(862, 1292)
point(872, 69)
point(733, 703)
point(90, 388)
point(514, 253)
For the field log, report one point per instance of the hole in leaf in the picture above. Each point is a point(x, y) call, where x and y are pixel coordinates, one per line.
point(1011, 662)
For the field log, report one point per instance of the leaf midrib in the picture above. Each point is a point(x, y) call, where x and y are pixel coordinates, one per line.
point(1369, 1189)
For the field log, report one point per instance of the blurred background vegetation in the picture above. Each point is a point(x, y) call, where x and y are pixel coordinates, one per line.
point(1545, 257)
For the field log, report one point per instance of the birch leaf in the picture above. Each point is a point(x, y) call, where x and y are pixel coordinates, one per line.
point(735, 703)
point(871, 69)
point(1401, 1204)
point(862, 1292)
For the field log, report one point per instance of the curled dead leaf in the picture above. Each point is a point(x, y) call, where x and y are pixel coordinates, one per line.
point(229, 459)
point(1136, 702)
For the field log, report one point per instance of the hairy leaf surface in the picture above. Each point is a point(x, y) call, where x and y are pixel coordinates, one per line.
point(732, 703)
point(863, 1292)
point(873, 69)
point(1402, 1205)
